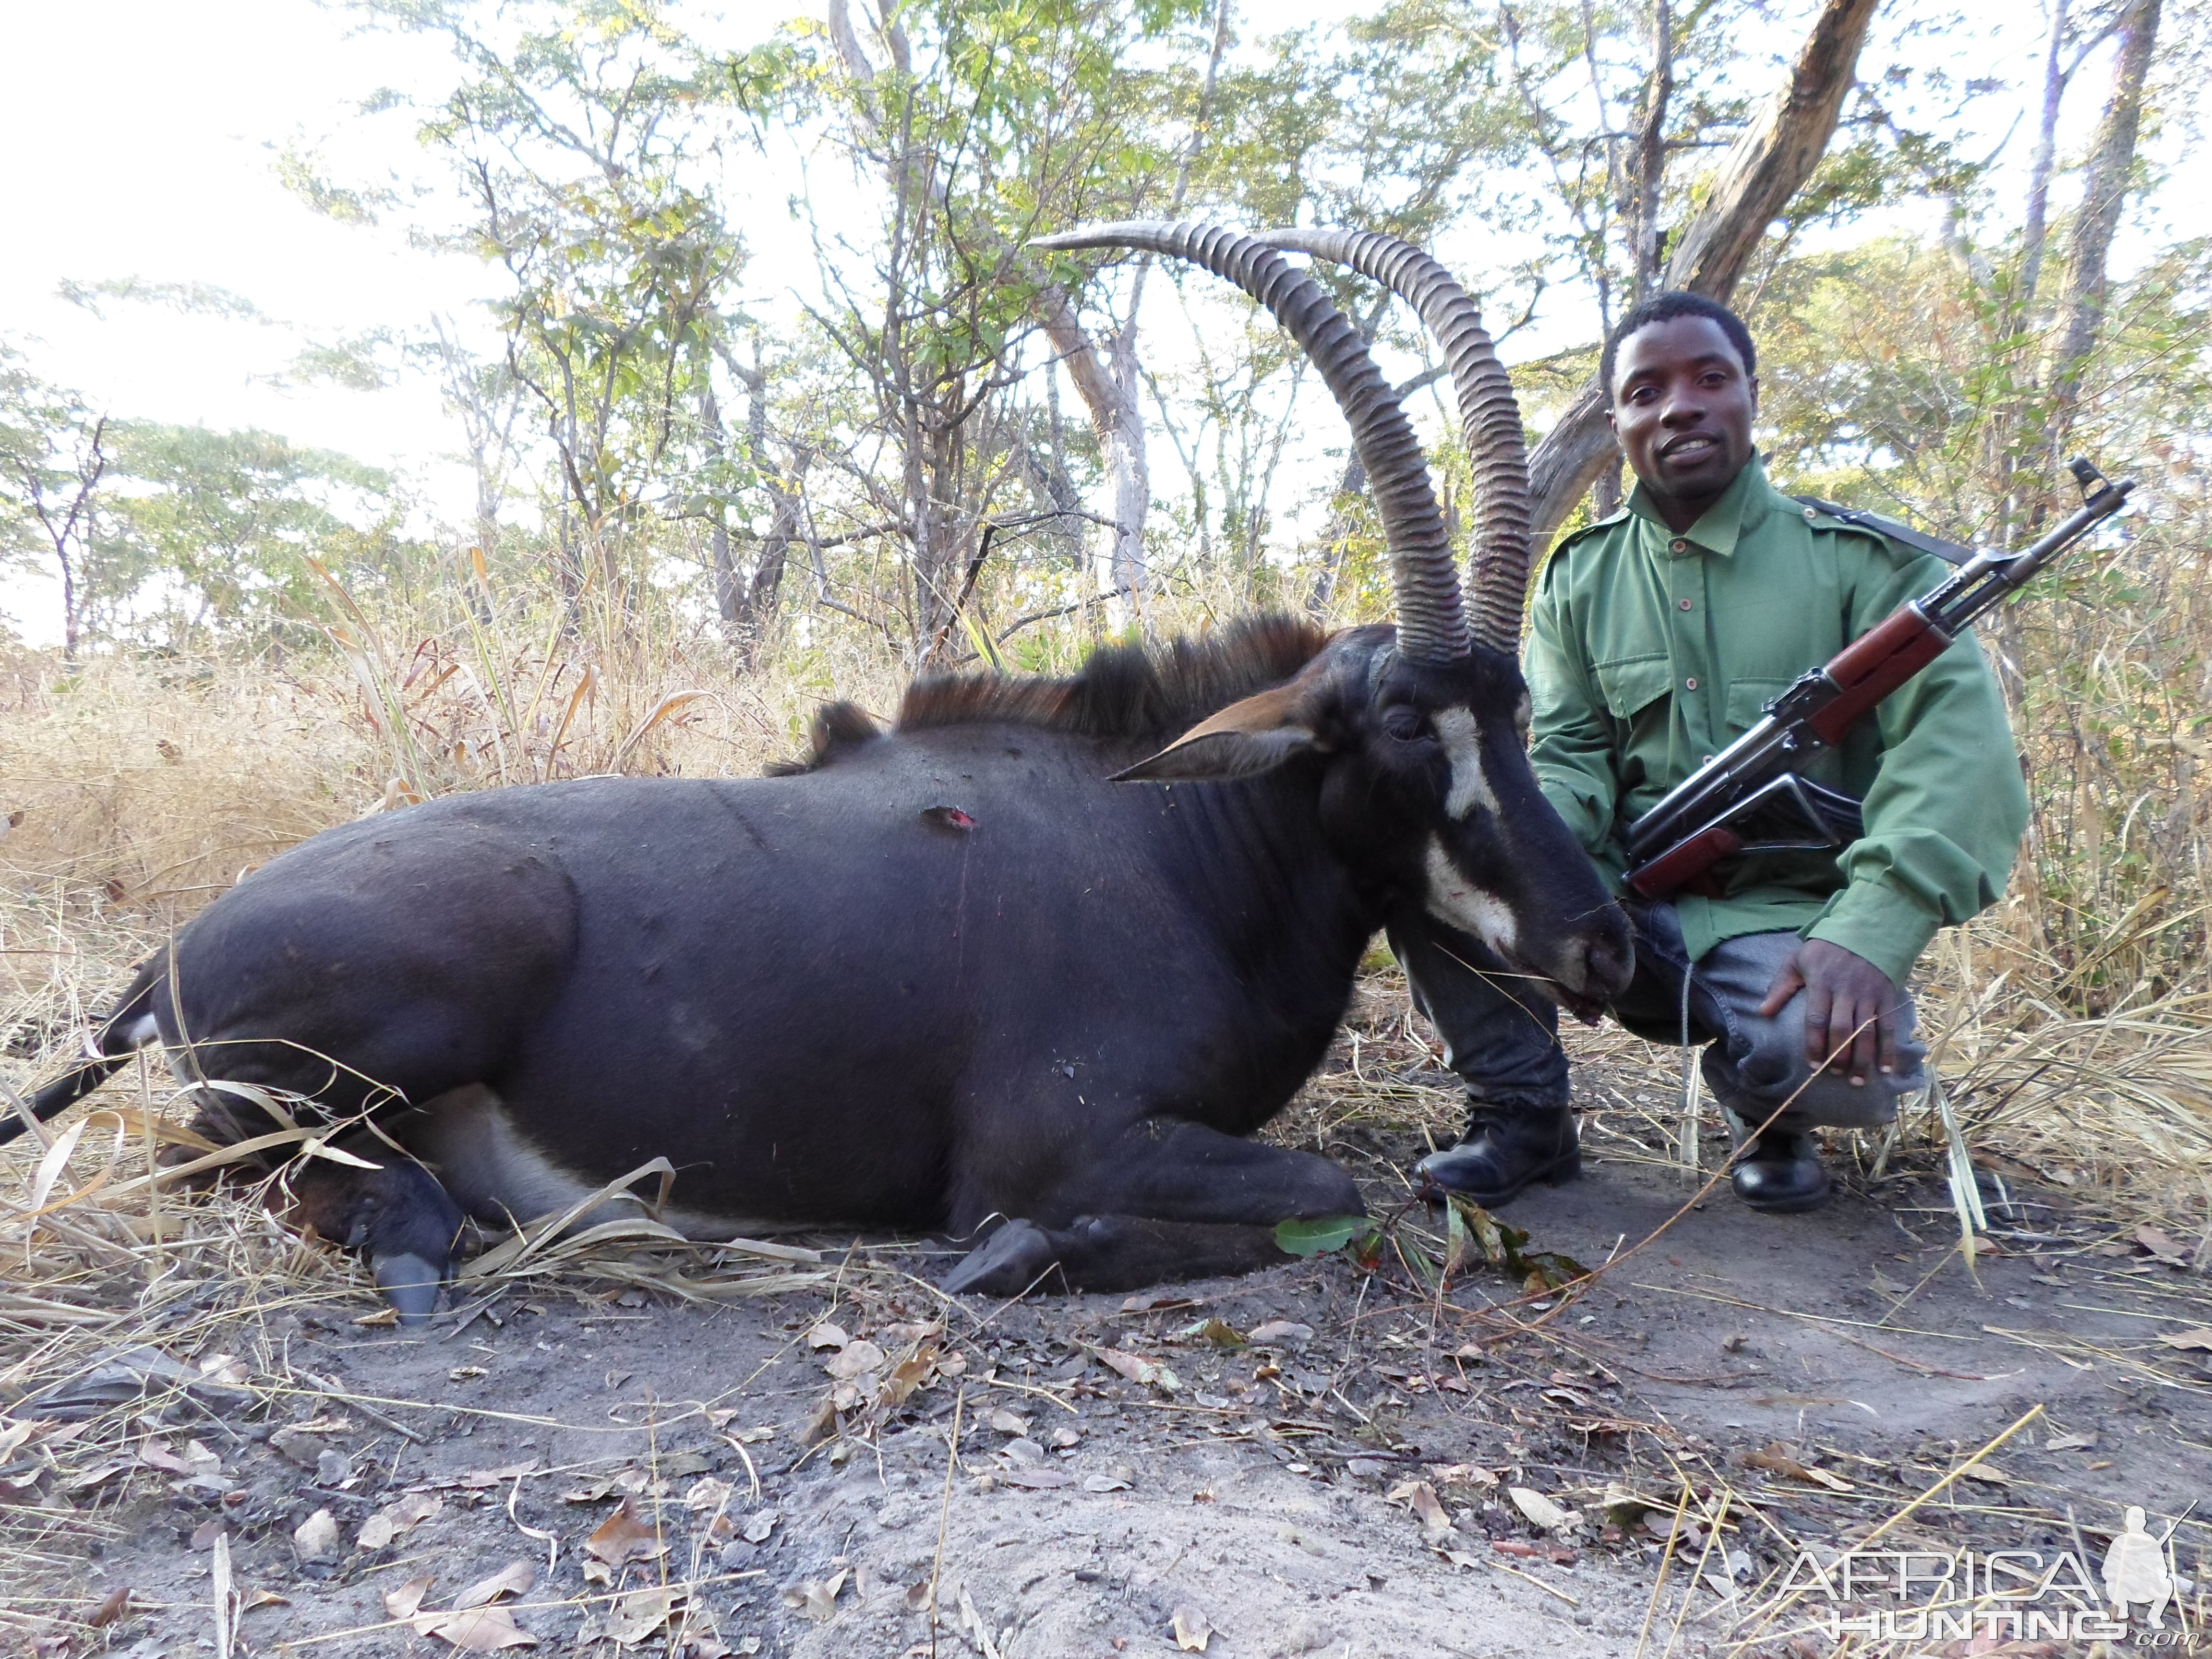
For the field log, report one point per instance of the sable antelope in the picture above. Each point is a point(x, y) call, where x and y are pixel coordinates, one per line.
point(1035, 961)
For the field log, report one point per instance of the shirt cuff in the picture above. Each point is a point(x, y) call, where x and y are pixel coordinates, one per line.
point(1883, 923)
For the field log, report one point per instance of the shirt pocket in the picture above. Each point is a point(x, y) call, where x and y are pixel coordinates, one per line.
point(1747, 700)
point(1632, 684)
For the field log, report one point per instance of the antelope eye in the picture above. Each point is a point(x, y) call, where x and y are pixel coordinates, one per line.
point(1404, 723)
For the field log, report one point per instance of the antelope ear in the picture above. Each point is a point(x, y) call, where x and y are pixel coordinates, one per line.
point(1242, 741)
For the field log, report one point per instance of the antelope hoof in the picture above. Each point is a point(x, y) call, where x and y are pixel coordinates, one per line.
point(1006, 1263)
point(410, 1284)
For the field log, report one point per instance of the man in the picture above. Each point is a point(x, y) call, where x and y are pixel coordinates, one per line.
point(1659, 634)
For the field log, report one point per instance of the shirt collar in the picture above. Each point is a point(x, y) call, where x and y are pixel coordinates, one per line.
point(1741, 507)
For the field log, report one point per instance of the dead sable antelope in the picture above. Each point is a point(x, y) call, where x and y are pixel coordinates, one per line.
point(1037, 960)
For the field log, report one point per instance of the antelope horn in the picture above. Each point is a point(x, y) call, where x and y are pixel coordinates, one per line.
point(1496, 444)
point(1432, 625)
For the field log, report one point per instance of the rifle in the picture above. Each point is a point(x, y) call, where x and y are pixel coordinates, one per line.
point(1749, 798)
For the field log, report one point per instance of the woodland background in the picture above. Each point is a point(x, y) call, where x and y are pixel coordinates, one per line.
point(771, 403)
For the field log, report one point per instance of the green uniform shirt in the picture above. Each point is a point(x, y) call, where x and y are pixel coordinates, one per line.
point(1651, 652)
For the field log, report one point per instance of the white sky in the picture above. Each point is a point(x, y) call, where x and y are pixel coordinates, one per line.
point(145, 133)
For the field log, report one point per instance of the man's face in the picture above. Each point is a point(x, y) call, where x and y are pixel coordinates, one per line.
point(1682, 407)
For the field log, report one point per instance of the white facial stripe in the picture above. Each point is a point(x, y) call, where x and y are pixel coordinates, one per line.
point(1462, 742)
point(1454, 899)
point(142, 1032)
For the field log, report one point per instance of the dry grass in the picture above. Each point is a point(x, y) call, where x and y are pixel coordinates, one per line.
point(2078, 1057)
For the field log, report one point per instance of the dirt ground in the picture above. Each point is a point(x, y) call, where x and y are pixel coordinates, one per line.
point(1320, 1459)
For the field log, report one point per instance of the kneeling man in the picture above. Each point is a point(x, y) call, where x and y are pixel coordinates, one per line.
point(1659, 635)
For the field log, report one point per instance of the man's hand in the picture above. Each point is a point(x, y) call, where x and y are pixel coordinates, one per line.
point(1845, 994)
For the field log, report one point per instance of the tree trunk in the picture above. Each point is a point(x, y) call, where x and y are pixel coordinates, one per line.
point(1768, 165)
point(2104, 195)
point(2033, 232)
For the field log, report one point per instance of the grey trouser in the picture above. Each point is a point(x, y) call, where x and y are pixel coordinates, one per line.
point(1501, 1035)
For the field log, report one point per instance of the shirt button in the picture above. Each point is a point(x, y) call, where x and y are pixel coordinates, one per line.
point(1705, 760)
point(1809, 512)
point(1684, 604)
point(1678, 545)
point(1691, 683)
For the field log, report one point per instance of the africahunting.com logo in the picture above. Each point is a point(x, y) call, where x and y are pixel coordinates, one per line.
point(2004, 1596)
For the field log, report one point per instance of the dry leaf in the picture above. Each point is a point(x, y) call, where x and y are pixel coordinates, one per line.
point(1421, 1497)
point(2159, 1245)
point(1462, 1474)
point(512, 1579)
point(263, 1598)
point(592, 1491)
point(403, 1603)
point(637, 1616)
point(827, 1335)
point(707, 1493)
point(1541, 1511)
point(854, 1358)
point(816, 1597)
point(117, 1604)
point(758, 1527)
point(1006, 1422)
point(1138, 1369)
point(481, 1630)
point(1283, 1332)
point(393, 1519)
point(2070, 1442)
point(2199, 1338)
point(1036, 1479)
point(1102, 1483)
point(1191, 1632)
point(1779, 1461)
point(622, 1538)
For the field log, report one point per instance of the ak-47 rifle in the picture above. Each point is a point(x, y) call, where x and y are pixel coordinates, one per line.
point(1749, 798)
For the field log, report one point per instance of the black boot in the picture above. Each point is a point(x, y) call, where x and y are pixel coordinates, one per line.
point(1504, 1149)
point(1780, 1172)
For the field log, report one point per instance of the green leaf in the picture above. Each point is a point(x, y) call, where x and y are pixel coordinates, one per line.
point(1318, 1238)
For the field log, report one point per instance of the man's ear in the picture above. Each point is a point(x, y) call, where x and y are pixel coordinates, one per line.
point(1242, 741)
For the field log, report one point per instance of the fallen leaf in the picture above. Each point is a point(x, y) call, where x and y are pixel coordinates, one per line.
point(707, 1493)
point(316, 1538)
point(816, 1597)
point(622, 1538)
point(263, 1598)
point(484, 1479)
point(2159, 1245)
point(205, 1533)
point(1149, 1373)
point(481, 1630)
point(1221, 1333)
point(2199, 1338)
point(592, 1491)
point(1987, 1475)
point(393, 1519)
point(1777, 1460)
point(1462, 1474)
point(1191, 1632)
point(1541, 1511)
point(638, 1615)
point(512, 1579)
point(403, 1602)
point(1286, 1332)
point(1038, 1479)
point(1104, 1483)
point(1421, 1497)
point(827, 1335)
point(1006, 1422)
point(1150, 1302)
point(855, 1357)
point(758, 1527)
point(2070, 1442)
point(117, 1604)
point(98, 1474)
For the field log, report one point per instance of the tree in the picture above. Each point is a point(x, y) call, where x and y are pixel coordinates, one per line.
point(53, 457)
point(1768, 163)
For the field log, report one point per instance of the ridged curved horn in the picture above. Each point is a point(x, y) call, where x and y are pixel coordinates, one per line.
point(1495, 439)
point(1431, 623)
